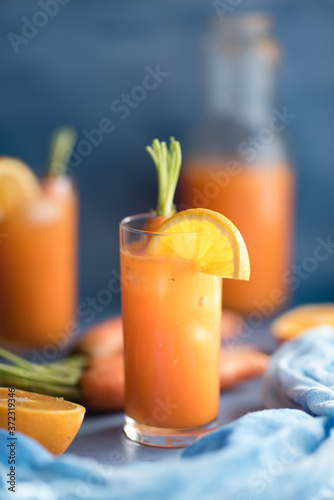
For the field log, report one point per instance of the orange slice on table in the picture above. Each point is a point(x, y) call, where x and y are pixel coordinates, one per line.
point(299, 319)
point(207, 238)
point(17, 184)
point(53, 422)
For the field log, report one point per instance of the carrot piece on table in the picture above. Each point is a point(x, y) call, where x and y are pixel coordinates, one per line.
point(231, 324)
point(102, 339)
point(240, 364)
point(103, 383)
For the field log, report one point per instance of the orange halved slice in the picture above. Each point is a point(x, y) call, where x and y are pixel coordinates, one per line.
point(53, 422)
point(207, 238)
point(17, 184)
point(294, 322)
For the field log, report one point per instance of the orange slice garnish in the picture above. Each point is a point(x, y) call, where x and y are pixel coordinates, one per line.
point(17, 184)
point(207, 238)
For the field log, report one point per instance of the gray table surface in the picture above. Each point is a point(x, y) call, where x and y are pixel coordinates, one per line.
point(101, 436)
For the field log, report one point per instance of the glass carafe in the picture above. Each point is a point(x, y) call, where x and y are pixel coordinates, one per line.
point(236, 161)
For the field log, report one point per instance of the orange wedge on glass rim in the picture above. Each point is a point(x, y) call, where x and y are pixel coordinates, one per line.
point(207, 238)
point(53, 422)
point(17, 184)
point(294, 322)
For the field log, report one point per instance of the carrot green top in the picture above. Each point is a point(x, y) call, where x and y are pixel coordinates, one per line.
point(62, 142)
point(168, 163)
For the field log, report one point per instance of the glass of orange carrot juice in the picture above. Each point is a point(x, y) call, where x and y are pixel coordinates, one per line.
point(171, 319)
point(38, 267)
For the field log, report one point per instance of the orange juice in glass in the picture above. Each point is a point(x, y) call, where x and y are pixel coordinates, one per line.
point(171, 320)
point(38, 266)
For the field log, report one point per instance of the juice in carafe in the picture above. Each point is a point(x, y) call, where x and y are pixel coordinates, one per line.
point(259, 201)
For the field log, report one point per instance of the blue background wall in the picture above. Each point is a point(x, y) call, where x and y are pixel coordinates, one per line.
point(90, 52)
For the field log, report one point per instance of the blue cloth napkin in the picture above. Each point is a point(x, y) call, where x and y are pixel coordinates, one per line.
point(301, 374)
point(272, 454)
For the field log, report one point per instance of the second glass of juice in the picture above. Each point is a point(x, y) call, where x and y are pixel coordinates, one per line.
point(171, 321)
point(38, 260)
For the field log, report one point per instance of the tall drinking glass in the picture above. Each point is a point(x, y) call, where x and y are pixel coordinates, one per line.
point(171, 320)
point(38, 275)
